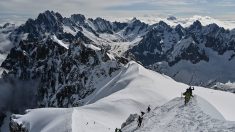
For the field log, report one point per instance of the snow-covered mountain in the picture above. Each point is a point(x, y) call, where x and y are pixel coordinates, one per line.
point(66, 74)
point(129, 92)
point(174, 50)
point(199, 55)
point(75, 61)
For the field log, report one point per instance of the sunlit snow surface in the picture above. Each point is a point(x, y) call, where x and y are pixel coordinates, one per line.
point(130, 91)
point(174, 116)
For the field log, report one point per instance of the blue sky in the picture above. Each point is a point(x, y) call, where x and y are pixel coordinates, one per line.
point(220, 9)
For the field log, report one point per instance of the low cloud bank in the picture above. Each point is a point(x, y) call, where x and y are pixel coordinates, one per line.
point(17, 96)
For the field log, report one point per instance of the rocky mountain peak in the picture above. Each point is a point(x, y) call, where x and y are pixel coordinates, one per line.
point(196, 25)
point(171, 18)
point(49, 17)
point(78, 18)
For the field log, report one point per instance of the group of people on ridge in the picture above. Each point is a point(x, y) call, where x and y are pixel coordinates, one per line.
point(140, 118)
point(188, 94)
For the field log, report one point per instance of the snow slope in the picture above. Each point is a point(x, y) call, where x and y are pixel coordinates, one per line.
point(132, 90)
point(55, 39)
point(46, 120)
point(174, 116)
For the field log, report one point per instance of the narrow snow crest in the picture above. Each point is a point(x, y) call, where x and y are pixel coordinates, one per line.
point(208, 109)
point(176, 116)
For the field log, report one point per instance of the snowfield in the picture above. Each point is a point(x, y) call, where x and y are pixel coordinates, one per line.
point(46, 120)
point(131, 91)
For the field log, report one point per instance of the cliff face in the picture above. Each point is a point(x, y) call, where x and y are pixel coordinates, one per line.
point(66, 75)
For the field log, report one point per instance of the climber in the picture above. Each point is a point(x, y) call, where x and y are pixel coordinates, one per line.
point(188, 94)
point(148, 109)
point(140, 121)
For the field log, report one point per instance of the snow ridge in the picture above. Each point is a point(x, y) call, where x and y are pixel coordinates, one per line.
point(132, 91)
point(175, 116)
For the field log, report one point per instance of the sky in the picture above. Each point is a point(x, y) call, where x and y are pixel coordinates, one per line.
point(23, 9)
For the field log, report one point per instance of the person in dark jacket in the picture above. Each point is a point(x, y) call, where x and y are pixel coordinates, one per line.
point(148, 109)
point(188, 94)
point(140, 121)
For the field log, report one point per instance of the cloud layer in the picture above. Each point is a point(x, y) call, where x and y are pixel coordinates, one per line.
point(222, 9)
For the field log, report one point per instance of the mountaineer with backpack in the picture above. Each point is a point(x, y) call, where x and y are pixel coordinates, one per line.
point(140, 118)
point(188, 94)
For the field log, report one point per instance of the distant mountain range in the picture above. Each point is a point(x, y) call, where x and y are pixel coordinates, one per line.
point(68, 56)
point(71, 60)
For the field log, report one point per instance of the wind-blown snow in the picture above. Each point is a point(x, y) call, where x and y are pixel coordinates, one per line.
point(131, 91)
